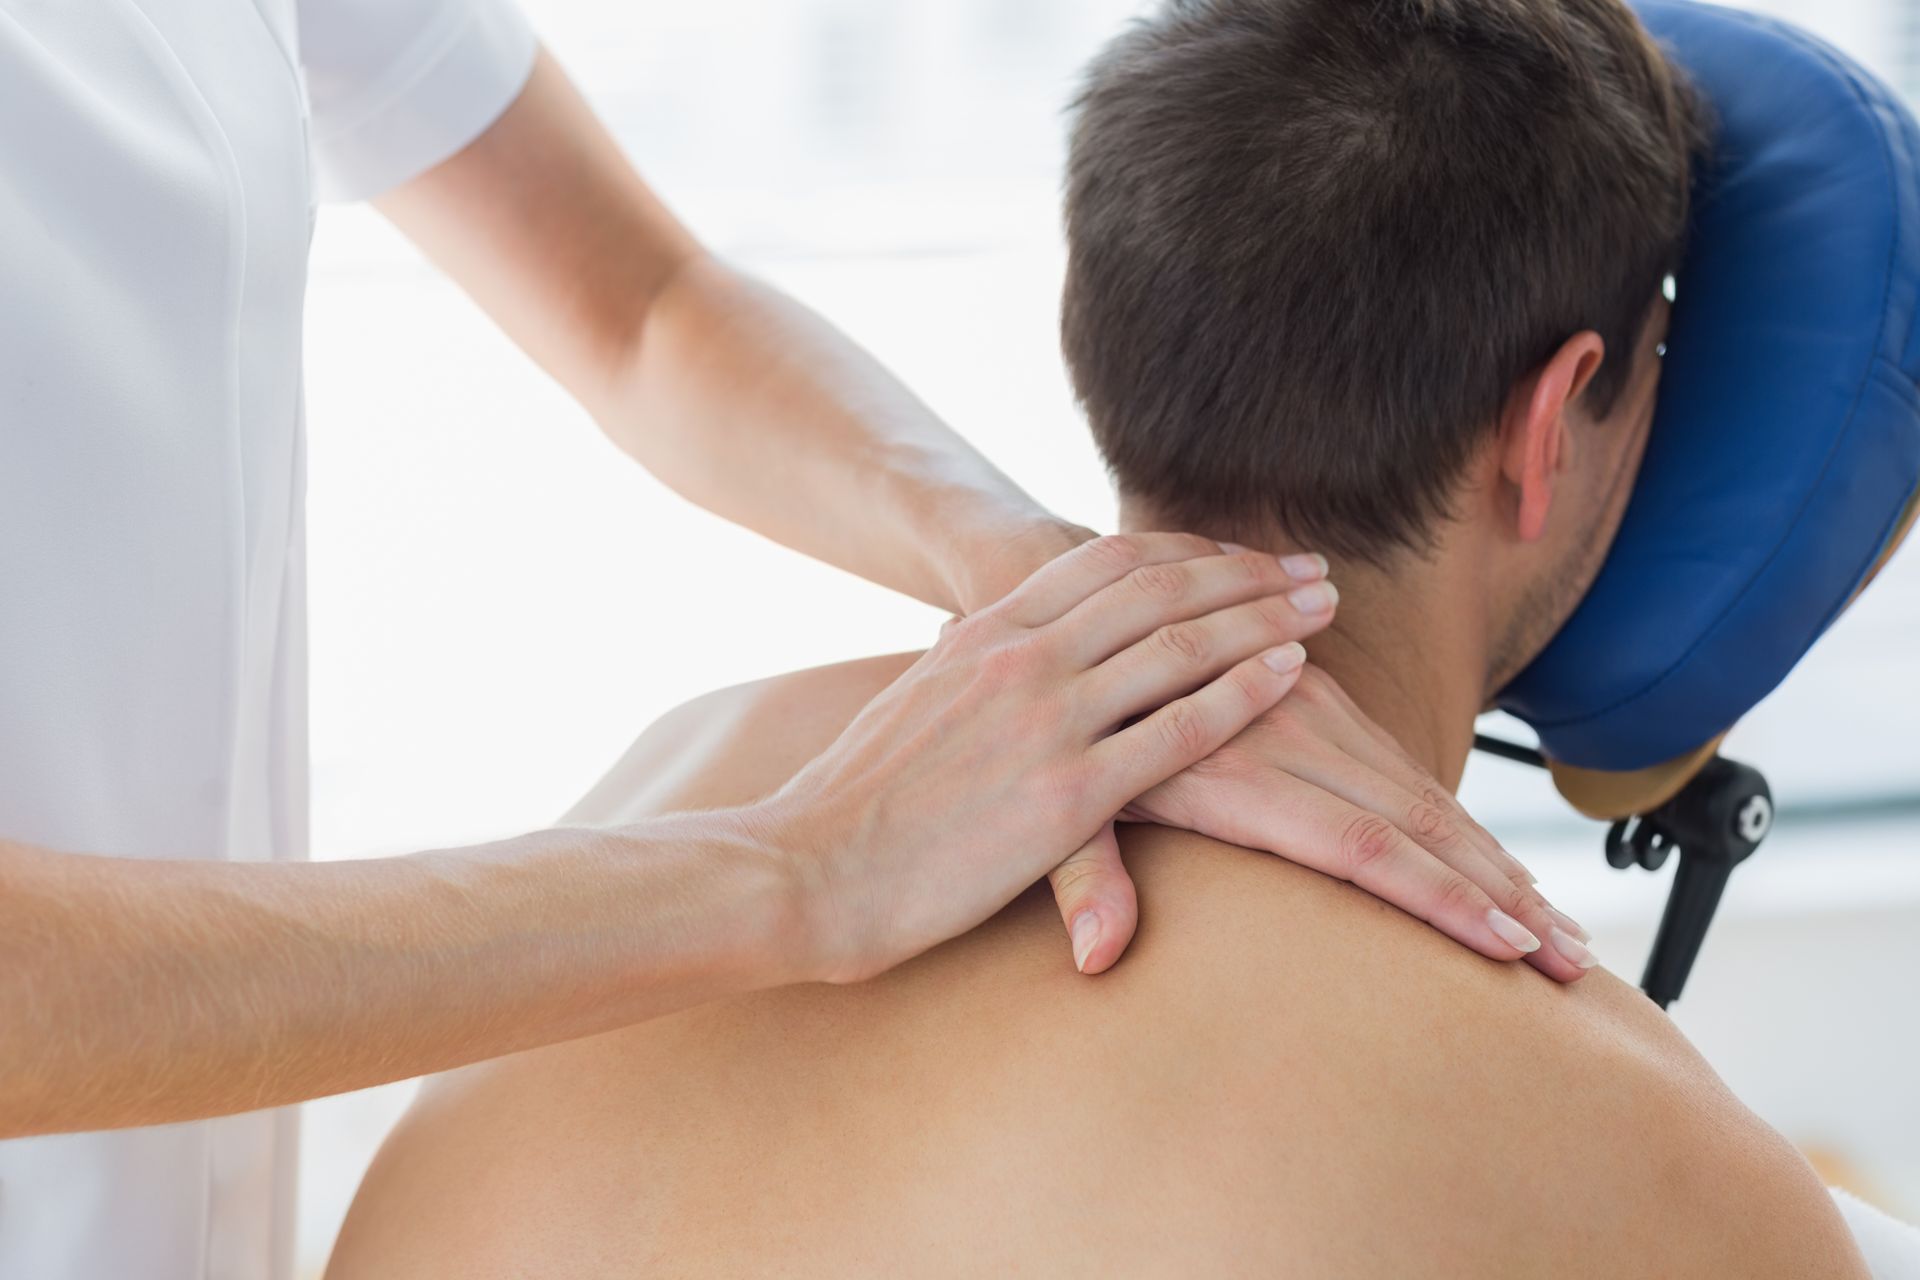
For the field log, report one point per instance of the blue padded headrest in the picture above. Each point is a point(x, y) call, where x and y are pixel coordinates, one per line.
point(1786, 440)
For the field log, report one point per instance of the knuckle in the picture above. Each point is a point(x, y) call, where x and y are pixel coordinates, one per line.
point(957, 630)
point(1222, 769)
point(1244, 759)
point(1292, 735)
point(1253, 684)
point(1227, 774)
point(1262, 570)
point(1117, 551)
point(1274, 741)
point(1431, 826)
point(1516, 900)
point(1011, 662)
point(1365, 842)
point(1184, 729)
point(1168, 582)
point(1458, 896)
point(1076, 880)
point(1184, 642)
point(972, 632)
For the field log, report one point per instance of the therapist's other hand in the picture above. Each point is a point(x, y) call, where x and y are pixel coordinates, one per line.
point(1316, 782)
point(1014, 740)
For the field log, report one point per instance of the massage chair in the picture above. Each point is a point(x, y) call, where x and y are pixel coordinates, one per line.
point(1782, 472)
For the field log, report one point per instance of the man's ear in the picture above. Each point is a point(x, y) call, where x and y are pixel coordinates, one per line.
point(1535, 441)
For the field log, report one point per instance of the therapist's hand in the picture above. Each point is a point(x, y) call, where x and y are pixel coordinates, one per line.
point(1316, 782)
point(1013, 741)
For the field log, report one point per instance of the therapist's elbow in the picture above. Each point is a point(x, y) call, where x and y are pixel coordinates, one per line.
point(676, 333)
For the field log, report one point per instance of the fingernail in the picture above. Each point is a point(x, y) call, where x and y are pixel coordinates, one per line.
point(1511, 931)
point(1320, 597)
point(1086, 932)
point(1571, 925)
point(1571, 948)
point(1233, 548)
point(1304, 567)
point(1286, 657)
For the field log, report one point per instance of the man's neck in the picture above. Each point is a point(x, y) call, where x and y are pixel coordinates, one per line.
point(1413, 656)
point(1410, 646)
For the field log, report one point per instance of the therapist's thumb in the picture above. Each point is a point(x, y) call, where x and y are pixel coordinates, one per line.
point(1097, 903)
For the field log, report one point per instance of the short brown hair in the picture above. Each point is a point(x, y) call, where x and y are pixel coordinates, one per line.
point(1314, 244)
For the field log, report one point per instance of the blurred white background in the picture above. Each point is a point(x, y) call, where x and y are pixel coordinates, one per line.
point(501, 601)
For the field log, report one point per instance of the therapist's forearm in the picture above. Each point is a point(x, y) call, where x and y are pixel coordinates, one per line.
point(757, 409)
point(137, 992)
point(733, 394)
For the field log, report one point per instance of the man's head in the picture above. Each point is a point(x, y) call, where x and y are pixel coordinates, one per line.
point(1361, 274)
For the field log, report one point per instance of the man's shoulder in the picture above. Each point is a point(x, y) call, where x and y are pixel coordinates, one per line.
point(1334, 1051)
point(727, 746)
point(1360, 1069)
point(1282, 1074)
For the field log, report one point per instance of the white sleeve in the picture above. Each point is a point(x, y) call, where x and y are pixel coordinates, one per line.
point(397, 86)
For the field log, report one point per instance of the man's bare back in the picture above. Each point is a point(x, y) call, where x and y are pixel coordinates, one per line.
point(1284, 1076)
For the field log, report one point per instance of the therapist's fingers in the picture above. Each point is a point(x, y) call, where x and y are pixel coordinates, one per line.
point(1309, 782)
point(1322, 830)
point(1374, 747)
point(1097, 902)
point(1450, 841)
point(1170, 602)
point(1322, 715)
point(1176, 658)
point(1067, 580)
point(1247, 798)
point(1377, 774)
point(1188, 730)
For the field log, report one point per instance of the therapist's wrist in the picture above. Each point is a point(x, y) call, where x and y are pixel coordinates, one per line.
point(1004, 556)
point(767, 896)
point(804, 931)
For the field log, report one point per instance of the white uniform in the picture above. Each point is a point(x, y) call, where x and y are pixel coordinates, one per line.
point(158, 165)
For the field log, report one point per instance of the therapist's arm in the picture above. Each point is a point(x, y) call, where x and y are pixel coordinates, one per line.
point(140, 992)
point(741, 399)
point(144, 992)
